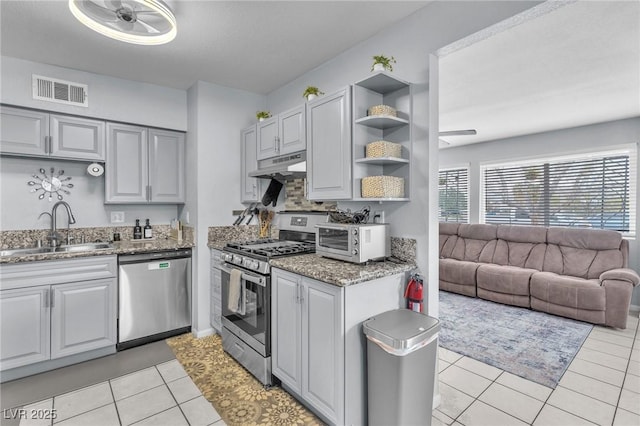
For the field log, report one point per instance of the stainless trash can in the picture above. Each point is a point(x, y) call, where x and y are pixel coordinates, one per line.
point(401, 362)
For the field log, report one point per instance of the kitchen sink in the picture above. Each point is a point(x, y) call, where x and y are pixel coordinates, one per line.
point(61, 249)
point(84, 247)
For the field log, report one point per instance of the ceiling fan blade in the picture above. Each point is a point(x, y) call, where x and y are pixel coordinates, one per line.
point(124, 25)
point(458, 132)
point(150, 29)
point(443, 142)
point(117, 4)
point(102, 13)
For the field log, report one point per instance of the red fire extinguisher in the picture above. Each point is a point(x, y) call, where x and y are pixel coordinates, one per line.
point(413, 293)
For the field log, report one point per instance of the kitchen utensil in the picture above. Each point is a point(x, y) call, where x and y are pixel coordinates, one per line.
point(265, 217)
point(253, 210)
point(241, 217)
point(272, 192)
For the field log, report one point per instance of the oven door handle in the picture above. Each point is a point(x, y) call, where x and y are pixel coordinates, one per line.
point(337, 228)
point(247, 277)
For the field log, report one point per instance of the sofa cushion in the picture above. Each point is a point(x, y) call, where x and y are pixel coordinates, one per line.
point(476, 243)
point(584, 253)
point(522, 246)
point(504, 279)
point(458, 271)
point(568, 291)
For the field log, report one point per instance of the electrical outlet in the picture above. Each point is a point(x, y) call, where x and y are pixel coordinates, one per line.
point(117, 217)
point(378, 216)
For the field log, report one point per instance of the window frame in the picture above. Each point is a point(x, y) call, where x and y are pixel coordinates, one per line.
point(630, 150)
point(467, 169)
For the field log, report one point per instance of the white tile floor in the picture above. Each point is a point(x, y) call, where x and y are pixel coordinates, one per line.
point(159, 395)
point(601, 386)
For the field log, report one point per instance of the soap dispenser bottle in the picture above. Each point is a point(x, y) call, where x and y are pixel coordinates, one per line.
point(148, 231)
point(137, 231)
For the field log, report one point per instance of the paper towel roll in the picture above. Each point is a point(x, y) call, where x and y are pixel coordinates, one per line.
point(95, 169)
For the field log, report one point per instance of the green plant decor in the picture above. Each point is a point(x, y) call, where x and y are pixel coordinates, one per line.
point(312, 90)
point(263, 114)
point(384, 61)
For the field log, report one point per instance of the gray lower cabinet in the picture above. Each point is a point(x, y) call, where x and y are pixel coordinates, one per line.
point(215, 314)
point(82, 316)
point(251, 187)
point(25, 321)
point(329, 147)
point(144, 165)
point(38, 133)
point(52, 310)
point(318, 350)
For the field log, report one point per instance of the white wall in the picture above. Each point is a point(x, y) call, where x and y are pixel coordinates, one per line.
point(109, 98)
point(216, 116)
point(410, 42)
point(568, 141)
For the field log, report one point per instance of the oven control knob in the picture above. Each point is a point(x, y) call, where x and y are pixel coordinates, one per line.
point(237, 260)
point(254, 265)
point(354, 251)
point(354, 231)
point(355, 241)
point(228, 257)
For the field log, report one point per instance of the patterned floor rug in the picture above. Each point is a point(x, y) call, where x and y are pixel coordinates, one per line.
point(236, 395)
point(529, 344)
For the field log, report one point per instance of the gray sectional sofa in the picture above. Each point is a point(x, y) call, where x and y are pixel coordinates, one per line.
point(576, 273)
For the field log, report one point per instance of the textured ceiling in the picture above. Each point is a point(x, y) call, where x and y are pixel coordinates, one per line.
point(253, 45)
point(575, 65)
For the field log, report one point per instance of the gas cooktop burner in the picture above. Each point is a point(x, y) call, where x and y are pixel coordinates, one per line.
point(270, 248)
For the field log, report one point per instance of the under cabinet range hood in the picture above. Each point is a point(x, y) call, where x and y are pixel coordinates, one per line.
point(282, 168)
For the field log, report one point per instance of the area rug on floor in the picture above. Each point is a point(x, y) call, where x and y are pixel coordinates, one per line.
point(529, 344)
point(236, 395)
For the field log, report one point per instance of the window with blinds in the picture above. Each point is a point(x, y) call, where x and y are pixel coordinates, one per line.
point(453, 188)
point(595, 191)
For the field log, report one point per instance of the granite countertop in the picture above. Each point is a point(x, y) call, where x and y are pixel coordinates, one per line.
point(337, 272)
point(121, 247)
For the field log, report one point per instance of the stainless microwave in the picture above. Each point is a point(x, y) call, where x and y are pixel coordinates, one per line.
point(356, 243)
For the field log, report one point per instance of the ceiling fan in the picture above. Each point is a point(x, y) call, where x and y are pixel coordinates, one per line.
point(133, 21)
point(465, 132)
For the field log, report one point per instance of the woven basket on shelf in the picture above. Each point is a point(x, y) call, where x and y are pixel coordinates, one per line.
point(382, 187)
point(379, 149)
point(382, 110)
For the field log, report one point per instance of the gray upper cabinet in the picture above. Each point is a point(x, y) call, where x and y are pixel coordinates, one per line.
point(291, 126)
point(37, 133)
point(329, 147)
point(78, 138)
point(166, 166)
point(282, 134)
point(251, 187)
point(144, 165)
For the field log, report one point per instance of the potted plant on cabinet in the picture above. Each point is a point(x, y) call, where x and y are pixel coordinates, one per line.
point(381, 63)
point(261, 115)
point(311, 92)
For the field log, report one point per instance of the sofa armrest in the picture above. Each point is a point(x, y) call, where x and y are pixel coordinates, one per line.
point(621, 274)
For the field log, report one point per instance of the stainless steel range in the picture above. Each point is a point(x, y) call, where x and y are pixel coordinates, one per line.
point(246, 289)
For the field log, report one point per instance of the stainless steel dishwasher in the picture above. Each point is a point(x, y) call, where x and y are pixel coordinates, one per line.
point(154, 296)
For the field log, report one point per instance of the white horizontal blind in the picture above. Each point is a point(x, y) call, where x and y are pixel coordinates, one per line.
point(453, 188)
point(595, 191)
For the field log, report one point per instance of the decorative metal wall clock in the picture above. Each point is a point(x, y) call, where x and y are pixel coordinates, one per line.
point(50, 185)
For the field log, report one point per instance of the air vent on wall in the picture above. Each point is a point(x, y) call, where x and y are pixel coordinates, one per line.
point(60, 91)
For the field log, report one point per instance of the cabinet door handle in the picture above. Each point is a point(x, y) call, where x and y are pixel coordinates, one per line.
point(45, 299)
point(297, 300)
point(277, 143)
point(301, 294)
point(52, 298)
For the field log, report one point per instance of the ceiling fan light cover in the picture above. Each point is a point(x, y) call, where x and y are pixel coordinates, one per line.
point(163, 35)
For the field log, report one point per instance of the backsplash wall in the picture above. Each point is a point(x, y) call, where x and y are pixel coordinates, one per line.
point(295, 199)
point(21, 208)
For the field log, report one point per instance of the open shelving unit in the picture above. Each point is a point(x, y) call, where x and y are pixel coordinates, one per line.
point(381, 88)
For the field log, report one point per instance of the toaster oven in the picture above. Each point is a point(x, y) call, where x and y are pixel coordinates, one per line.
point(355, 243)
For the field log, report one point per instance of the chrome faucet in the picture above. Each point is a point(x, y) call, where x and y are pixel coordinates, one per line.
point(53, 236)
